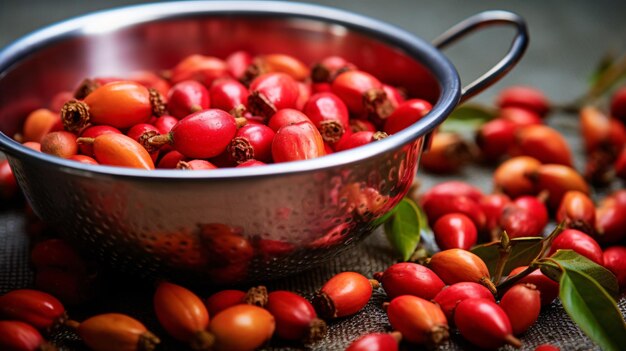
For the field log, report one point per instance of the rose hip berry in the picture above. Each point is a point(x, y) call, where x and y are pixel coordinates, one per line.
point(407, 278)
point(437, 206)
point(577, 211)
point(277, 63)
point(114, 332)
point(483, 323)
point(557, 180)
point(453, 188)
point(187, 97)
point(331, 66)
point(580, 242)
point(548, 288)
point(242, 328)
point(450, 296)
point(419, 321)
point(39, 309)
point(376, 342)
point(510, 176)
point(455, 231)
point(19, 336)
point(519, 116)
point(203, 134)
point(252, 141)
point(61, 144)
point(495, 138)
point(362, 93)
point(406, 114)
point(39, 123)
point(204, 69)
point(614, 258)
point(359, 139)
point(493, 205)
point(522, 304)
point(119, 104)
point(272, 92)
point(344, 294)
point(526, 97)
point(237, 63)
point(329, 114)
point(183, 315)
point(448, 152)
point(610, 220)
point(299, 141)
point(524, 217)
point(457, 265)
point(119, 150)
point(296, 318)
point(543, 143)
point(228, 94)
point(618, 104)
point(93, 132)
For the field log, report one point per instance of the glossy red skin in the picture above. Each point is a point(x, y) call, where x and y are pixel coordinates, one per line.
point(455, 231)
point(406, 114)
point(415, 318)
point(187, 97)
point(300, 141)
point(84, 159)
point(610, 220)
point(526, 97)
point(60, 143)
point(393, 94)
point(121, 150)
point(242, 327)
point(620, 165)
point(120, 104)
point(374, 342)
point(450, 296)
point(150, 80)
point(39, 309)
point(361, 125)
point(259, 142)
point(237, 63)
point(19, 336)
point(293, 314)
point(492, 205)
point(350, 87)
point(332, 65)
point(495, 138)
point(165, 123)
point(618, 104)
point(510, 176)
point(250, 163)
point(203, 134)
point(355, 140)
point(578, 211)
point(204, 69)
point(407, 278)
point(454, 188)
point(572, 239)
point(522, 304)
point(482, 322)
point(170, 160)
point(286, 117)
point(93, 132)
point(548, 288)
point(557, 180)
point(519, 116)
point(224, 299)
point(349, 291)
point(320, 87)
point(136, 131)
point(56, 253)
point(526, 216)
point(437, 206)
point(323, 107)
point(457, 265)
point(614, 258)
point(8, 184)
point(179, 311)
point(227, 94)
point(543, 143)
point(279, 89)
point(304, 93)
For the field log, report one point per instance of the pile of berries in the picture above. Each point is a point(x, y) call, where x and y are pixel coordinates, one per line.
point(207, 112)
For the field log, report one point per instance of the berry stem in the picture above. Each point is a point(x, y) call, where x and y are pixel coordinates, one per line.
point(513, 280)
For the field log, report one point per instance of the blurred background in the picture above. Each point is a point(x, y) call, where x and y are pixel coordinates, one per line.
point(568, 38)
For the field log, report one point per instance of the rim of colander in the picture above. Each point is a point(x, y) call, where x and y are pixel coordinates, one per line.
point(112, 19)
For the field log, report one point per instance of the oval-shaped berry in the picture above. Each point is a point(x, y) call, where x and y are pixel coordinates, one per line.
point(299, 141)
point(580, 242)
point(344, 294)
point(376, 342)
point(526, 97)
point(522, 304)
point(614, 258)
point(187, 97)
point(242, 328)
point(39, 309)
point(450, 296)
point(406, 114)
point(548, 288)
point(483, 323)
point(252, 141)
point(456, 265)
point(329, 114)
point(19, 336)
point(419, 321)
point(296, 318)
point(407, 278)
point(272, 92)
point(455, 231)
point(228, 94)
point(115, 332)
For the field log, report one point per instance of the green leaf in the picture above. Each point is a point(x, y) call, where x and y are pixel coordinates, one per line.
point(403, 228)
point(384, 218)
point(467, 118)
point(574, 262)
point(523, 252)
point(592, 309)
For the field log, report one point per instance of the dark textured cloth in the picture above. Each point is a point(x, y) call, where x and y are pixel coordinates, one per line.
point(370, 256)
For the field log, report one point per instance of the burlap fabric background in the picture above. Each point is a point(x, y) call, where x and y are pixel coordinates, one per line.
point(372, 255)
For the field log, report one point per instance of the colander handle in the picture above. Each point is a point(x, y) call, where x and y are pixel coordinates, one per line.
point(483, 20)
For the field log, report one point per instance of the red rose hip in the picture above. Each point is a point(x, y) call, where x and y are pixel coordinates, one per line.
point(299, 141)
point(407, 278)
point(455, 231)
point(296, 318)
point(419, 321)
point(39, 309)
point(329, 114)
point(252, 141)
point(580, 242)
point(344, 294)
point(452, 295)
point(376, 342)
point(522, 304)
point(187, 97)
point(272, 92)
point(483, 323)
point(614, 258)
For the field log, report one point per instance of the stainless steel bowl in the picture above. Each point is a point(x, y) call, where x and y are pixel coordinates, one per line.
point(227, 225)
